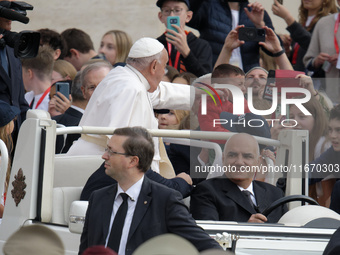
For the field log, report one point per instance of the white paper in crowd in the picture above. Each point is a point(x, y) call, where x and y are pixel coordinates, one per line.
point(338, 63)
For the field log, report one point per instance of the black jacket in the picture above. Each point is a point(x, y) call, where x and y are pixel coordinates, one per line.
point(70, 118)
point(301, 36)
point(199, 61)
point(12, 88)
point(213, 19)
point(221, 199)
point(159, 210)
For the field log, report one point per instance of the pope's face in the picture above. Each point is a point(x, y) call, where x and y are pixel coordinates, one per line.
point(159, 71)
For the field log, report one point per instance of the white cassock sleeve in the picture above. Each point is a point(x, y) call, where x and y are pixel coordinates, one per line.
point(173, 96)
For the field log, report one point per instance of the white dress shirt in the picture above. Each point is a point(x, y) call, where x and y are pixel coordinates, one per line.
point(44, 103)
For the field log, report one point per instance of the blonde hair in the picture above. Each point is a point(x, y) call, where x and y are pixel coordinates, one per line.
point(7, 139)
point(327, 7)
point(65, 68)
point(123, 44)
point(180, 115)
point(189, 122)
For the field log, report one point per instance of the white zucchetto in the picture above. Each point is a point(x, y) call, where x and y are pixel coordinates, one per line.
point(145, 47)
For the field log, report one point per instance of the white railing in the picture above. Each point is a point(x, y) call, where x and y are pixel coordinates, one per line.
point(185, 137)
point(191, 134)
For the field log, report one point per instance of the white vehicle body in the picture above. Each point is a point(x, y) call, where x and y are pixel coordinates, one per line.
point(51, 184)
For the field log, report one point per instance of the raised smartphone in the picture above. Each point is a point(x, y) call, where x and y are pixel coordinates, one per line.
point(251, 34)
point(63, 88)
point(172, 20)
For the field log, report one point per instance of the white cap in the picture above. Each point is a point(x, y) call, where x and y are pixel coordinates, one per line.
point(33, 240)
point(145, 47)
point(166, 244)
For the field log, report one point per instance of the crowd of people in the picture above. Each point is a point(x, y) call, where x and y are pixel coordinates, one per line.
point(161, 83)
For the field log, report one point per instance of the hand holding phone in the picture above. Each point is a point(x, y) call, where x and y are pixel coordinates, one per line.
point(63, 88)
point(61, 103)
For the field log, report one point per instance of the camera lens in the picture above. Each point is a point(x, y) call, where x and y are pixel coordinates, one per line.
point(251, 34)
point(261, 32)
point(24, 43)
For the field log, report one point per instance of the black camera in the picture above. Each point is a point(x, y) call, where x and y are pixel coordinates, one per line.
point(251, 34)
point(20, 7)
point(26, 43)
point(15, 10)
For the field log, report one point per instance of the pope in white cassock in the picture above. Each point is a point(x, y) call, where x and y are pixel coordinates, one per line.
point(127, 96)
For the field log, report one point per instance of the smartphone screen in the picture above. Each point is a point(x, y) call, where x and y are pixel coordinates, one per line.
point(63, 88)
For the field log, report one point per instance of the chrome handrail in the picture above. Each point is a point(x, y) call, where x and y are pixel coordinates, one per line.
point(191, 134)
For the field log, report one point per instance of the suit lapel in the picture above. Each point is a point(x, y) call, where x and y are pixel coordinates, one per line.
point(260, 196)
point(107, 209)
point(4, 76)
point(234, 193)
point(142, 206)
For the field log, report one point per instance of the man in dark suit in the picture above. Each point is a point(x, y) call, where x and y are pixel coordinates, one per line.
point(236, 196)
point(11, 84)
point(149, 208)
point(99, 179)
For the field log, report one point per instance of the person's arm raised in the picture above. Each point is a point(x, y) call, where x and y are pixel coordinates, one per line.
point(273, 46)
point(256, 14)
point(281, 11)
point(231, 42)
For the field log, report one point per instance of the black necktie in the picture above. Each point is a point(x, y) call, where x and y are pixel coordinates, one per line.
point(248, 196)
point(118, 223)
point(32, 103)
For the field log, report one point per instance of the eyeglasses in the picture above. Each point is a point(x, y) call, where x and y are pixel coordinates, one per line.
point(111, 152)
point(176, 11)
